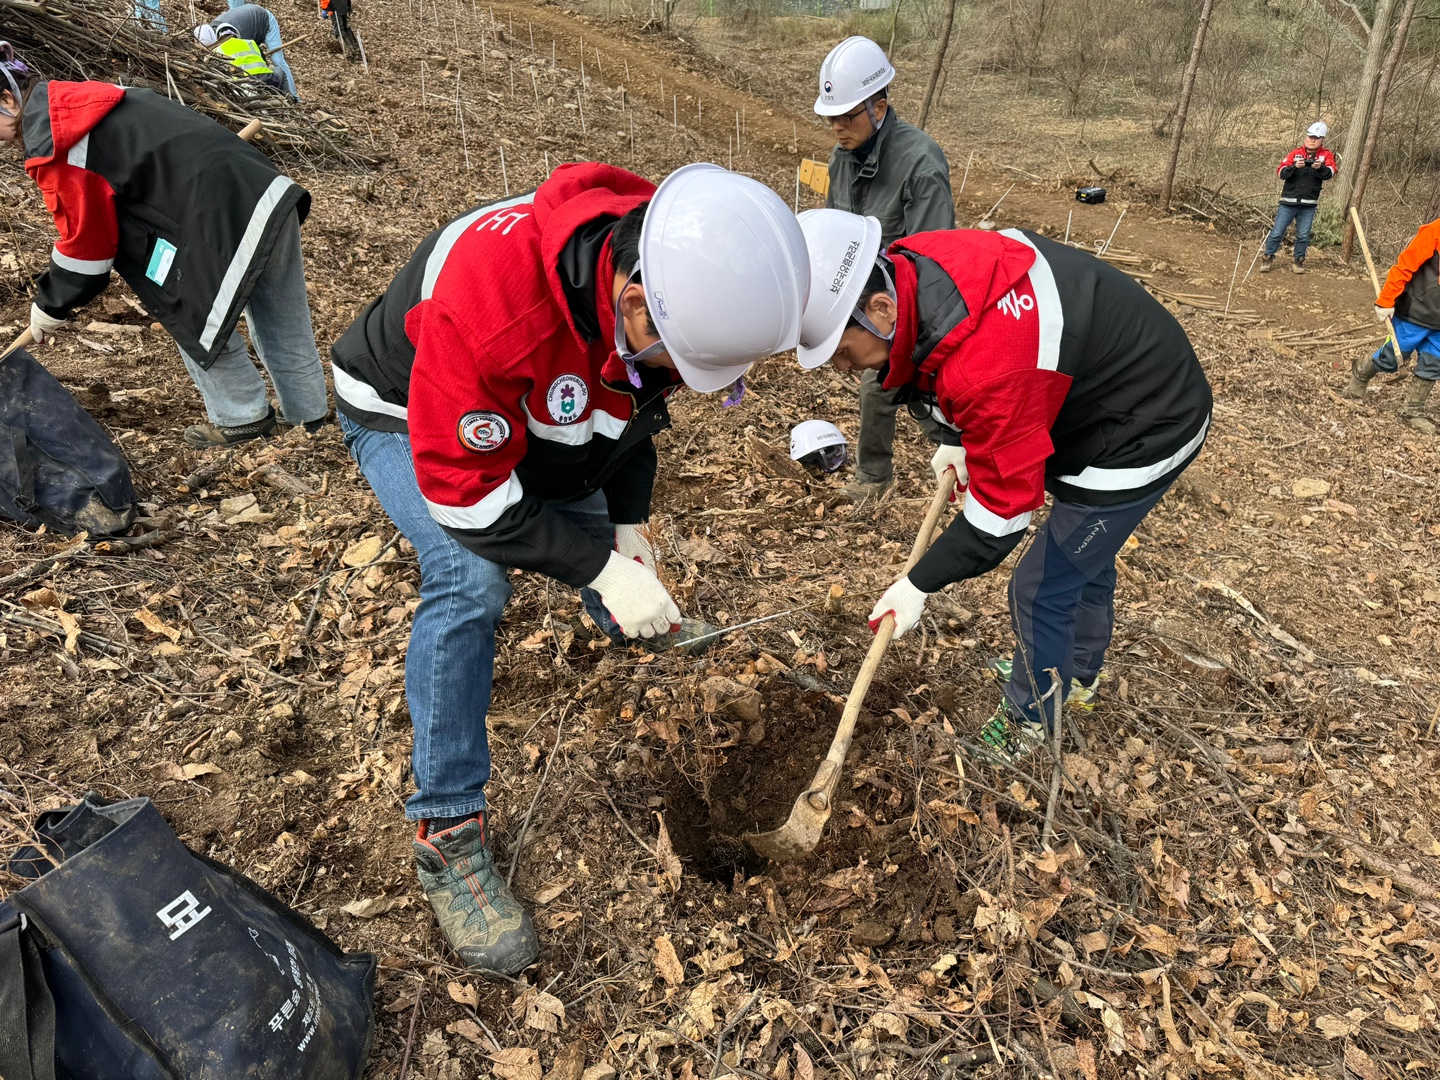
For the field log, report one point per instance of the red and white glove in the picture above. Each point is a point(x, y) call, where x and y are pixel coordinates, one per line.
point(1383, 313)
point(951, 457)
point(635, 542)
point(905, 602)
point(43, 326)
point(635, 598)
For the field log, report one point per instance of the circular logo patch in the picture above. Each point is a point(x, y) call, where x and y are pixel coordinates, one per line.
point(829, 89)
point(566, 399)
point(484, 432)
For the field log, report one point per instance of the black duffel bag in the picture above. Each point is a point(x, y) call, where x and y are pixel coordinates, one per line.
point(136, 959)
point(57, 466)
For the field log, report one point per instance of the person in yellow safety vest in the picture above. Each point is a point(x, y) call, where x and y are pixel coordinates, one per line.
point(241, 52)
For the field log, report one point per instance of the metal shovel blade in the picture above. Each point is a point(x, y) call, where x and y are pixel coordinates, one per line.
point(802, 830)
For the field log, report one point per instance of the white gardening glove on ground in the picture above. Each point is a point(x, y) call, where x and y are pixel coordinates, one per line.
point(43, 326)
point(951, 457)
point(635, 598)
point(1383, 313)
point(905, 600)
point(635, 542)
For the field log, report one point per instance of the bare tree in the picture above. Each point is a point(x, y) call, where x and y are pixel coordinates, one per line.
point(1182, 108)
point(1377, 117)
point(1364, 101)
point(939, 64)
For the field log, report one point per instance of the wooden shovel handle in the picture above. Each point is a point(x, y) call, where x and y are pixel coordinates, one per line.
point(250, 130)
point(822, 788)
point(1374, 277)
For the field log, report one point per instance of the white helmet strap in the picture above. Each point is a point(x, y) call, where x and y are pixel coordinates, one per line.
point(882, 264)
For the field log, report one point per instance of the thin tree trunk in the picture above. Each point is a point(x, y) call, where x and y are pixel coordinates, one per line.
point(939, 63)
point(1377, 118)
point(1182, 108)
point(1359, 126)
point(1432, 208)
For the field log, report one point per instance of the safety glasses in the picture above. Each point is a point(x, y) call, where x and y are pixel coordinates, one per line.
point(859, 313)
point(828, 458)
point(622, 346)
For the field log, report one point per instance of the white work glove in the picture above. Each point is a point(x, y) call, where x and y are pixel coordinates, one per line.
point(904, 601)
point(951, 457)
point(635, 542)
point(635, 598)
point(43, 326)
point(1383, 313)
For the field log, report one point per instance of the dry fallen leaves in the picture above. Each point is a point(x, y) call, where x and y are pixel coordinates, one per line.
point(369, 907)
point(463, 993)
point(667, 963)
point(516, 1063)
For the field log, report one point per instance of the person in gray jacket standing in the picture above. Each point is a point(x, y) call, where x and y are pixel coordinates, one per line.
point(883, 168)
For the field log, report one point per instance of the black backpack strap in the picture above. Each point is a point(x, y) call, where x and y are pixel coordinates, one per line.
point(27, 1011)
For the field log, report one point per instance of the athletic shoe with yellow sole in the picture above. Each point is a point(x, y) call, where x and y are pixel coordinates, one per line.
point(1006, 739)
point(1081, 696)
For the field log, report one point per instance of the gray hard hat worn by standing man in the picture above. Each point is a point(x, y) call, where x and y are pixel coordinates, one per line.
point(884, 168)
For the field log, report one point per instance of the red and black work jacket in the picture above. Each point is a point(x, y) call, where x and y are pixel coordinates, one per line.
point(493, 348)
point(185, 212)
point(1055, 370)
point(1303, 179)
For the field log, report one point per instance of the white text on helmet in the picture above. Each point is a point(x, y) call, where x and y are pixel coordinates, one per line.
point(846, 265)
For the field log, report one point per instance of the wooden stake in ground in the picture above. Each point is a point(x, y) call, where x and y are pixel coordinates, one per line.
point(1182, 107)
point(939, 63)
point(966, 178)
point(1233, 275)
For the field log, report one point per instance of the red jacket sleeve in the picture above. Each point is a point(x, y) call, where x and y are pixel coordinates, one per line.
point(468, 437)
point(83, 206)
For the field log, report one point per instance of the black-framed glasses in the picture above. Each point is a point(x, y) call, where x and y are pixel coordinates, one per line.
point(846, 119)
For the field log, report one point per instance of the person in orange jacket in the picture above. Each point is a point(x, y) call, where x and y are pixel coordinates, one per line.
point(1411, 299)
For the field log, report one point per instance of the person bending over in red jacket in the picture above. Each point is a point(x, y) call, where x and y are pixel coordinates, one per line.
point(1050, 371)
point(501, 398)
point(197, 222)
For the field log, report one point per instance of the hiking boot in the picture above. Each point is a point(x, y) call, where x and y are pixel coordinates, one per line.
point(861, 490)
point(1412, 410)
point(479, 916)
point(1361, 372)
point(1267, 263)
point(1299, 266)
point(208, 436)
point(1006, 740)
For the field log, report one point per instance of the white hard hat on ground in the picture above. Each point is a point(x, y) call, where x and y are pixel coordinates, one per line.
point(853, 71)
point(725, 271)
point(206, 35)
point(842, 247)
point(1319, 129)
point(818, 443)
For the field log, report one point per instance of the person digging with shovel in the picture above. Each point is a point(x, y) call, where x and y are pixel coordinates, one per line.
point(501, 399)
point(1410, 301)
point(197, 222)
point(1050, 371)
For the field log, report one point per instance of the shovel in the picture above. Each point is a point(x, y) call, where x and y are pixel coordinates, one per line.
point(26, 338)
point(801, 831)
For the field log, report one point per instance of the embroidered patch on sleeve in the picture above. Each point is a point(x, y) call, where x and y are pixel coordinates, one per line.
point(484, 432)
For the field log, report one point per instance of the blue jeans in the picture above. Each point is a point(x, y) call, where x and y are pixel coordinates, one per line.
point(450, 662)
point(1062, 599)
point(278, 315)
point(1303, 217)
point(1421, 340)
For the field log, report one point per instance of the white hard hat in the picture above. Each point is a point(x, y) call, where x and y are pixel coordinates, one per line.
point(206, 35)
point(821, 438)
point(1318, 129)
point(842, 249)
point(854, 70)
point(726, 273)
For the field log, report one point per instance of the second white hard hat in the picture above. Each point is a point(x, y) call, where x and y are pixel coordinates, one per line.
point(1319, 129)
point(853, 71)
point(726, 273)
point(821, 439)
point(205, 34)
point(842, 250)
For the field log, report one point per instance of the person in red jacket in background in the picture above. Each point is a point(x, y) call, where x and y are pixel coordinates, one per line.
point(501, 399)
point(1050, 371)
point(1411, 300)
point(197, 222)
point(1304, 171)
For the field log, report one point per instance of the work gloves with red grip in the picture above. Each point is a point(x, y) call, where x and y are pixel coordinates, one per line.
point(905, 602)
point(631, 591)
point(43, 326)
point(1383, 313)
point(951, 457)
